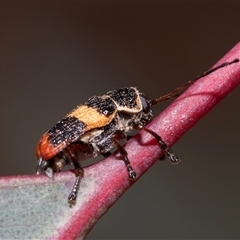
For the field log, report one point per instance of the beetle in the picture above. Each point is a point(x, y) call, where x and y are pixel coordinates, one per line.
point(96, 126)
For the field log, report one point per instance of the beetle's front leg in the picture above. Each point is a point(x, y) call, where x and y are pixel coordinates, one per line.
point(78, 170)
point(167, 151)
point(79, 175)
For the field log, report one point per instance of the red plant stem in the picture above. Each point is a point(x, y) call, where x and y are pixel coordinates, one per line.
point(110, 178)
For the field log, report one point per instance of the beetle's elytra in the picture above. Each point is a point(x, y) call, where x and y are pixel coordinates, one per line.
point(96, 126)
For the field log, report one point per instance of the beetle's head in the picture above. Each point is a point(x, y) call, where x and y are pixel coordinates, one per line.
point(147, 114)
point(49, 167)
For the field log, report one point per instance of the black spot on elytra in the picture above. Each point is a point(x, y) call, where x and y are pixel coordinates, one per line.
point(125, 97)
point(105, 106)
point(69, 128)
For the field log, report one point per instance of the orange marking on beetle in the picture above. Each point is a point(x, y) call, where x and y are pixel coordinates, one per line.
point(46, 150)
point(91, 117)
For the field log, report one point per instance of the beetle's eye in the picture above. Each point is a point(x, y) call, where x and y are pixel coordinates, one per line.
point(145, 104)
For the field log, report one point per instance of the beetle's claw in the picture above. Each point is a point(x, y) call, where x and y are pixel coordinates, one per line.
point(132, 175)
point(72, 199)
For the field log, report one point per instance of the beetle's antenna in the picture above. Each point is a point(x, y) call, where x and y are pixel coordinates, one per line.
point(179, 90)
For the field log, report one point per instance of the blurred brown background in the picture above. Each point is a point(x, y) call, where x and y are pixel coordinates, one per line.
point(56, 55)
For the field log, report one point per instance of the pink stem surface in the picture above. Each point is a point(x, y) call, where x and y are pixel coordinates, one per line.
point(105, 181)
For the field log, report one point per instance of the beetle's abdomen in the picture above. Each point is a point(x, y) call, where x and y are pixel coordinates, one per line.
point(59, 136)
point(97, 112)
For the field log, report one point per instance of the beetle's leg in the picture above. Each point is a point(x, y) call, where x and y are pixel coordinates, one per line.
point(79, 174)
point(78, 170)
point(173, 158)
point(132, 175)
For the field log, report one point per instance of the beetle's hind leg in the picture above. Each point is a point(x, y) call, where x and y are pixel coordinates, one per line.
point(167, 151)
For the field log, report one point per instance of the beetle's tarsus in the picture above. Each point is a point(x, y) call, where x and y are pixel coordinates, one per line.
point(73, 195)
point(173, 157)
point(72, 199)
point(132, 175)
point(167, 151)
